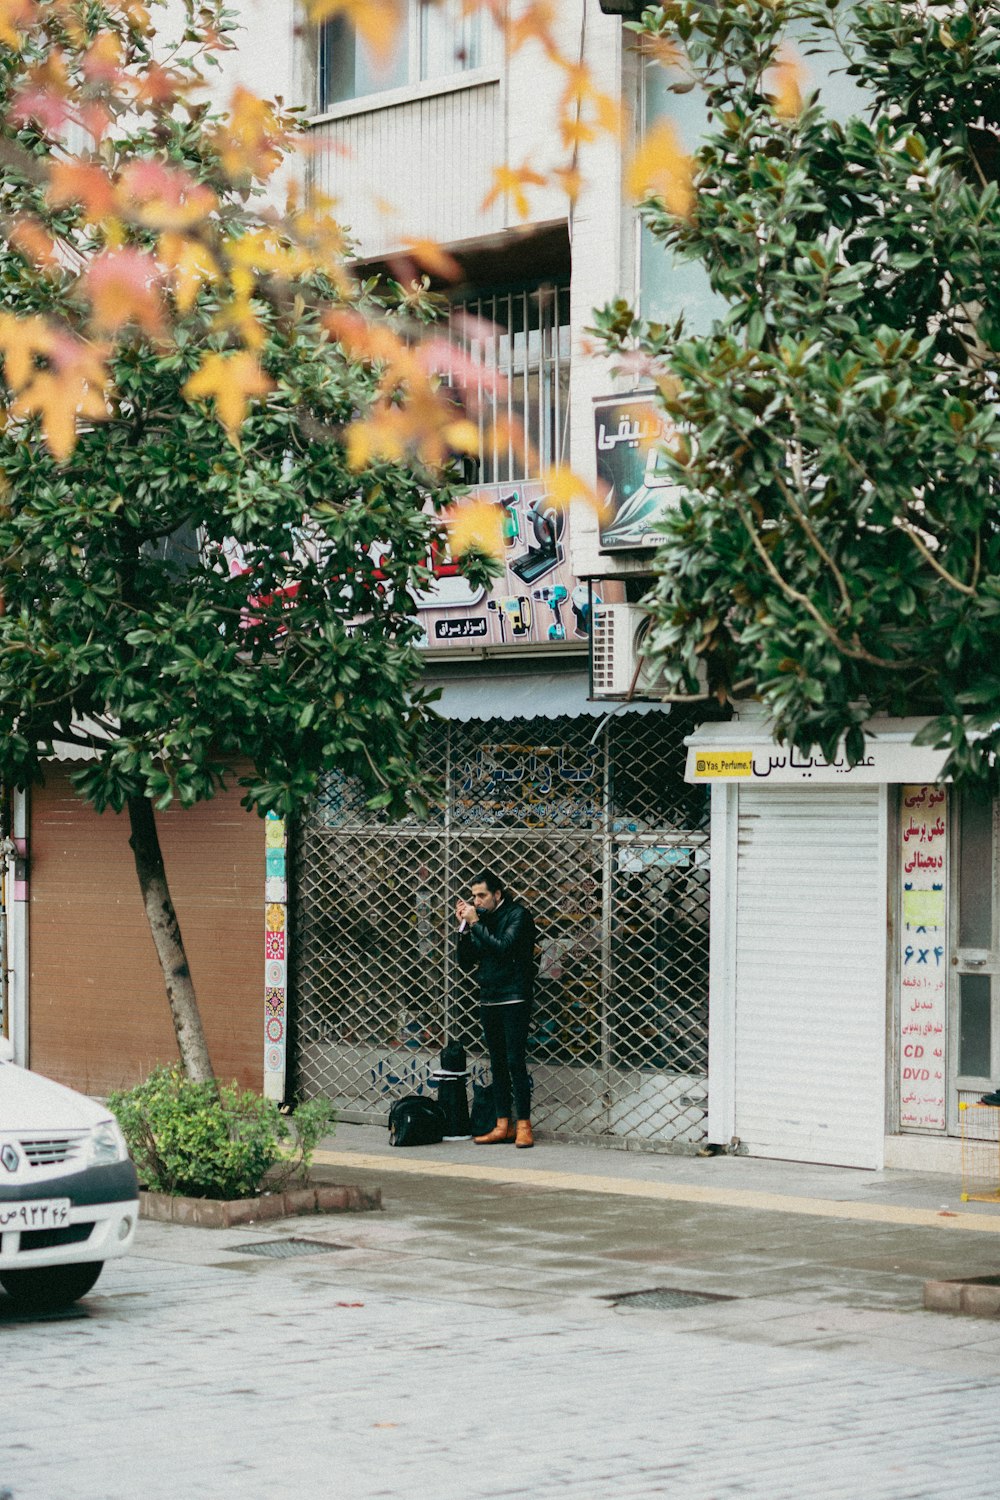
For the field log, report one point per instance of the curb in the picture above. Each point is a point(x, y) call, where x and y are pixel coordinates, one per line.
point(218, 1213)
point(977, 1298)
point(515, 1170)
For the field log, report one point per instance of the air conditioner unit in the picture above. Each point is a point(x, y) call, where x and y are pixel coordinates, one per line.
point(615, 645)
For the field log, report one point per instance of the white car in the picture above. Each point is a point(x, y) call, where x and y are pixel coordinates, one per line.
point(69, 1199)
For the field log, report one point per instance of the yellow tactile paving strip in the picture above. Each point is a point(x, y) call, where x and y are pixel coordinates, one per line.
point(666, 1192)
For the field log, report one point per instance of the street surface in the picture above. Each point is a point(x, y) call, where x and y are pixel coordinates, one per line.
point(462, 1344)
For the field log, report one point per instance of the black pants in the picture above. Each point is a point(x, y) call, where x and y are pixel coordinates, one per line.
point(505, 1028)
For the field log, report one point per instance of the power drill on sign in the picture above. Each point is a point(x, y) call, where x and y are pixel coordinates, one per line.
point(554, 596)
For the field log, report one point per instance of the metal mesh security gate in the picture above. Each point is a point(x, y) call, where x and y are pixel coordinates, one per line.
point(608, 848)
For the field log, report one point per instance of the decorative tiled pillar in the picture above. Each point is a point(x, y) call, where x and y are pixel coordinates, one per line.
point(275, 955)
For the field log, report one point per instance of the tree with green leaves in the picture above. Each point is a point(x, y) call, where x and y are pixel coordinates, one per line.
point(836, 547)
point(217, 503)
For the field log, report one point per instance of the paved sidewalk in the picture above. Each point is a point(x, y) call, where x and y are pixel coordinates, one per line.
point(914, 1198)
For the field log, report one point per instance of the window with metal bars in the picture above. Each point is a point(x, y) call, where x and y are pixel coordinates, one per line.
point(520, 338)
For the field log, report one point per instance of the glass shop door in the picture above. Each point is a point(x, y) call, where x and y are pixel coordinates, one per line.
point(974, 1021)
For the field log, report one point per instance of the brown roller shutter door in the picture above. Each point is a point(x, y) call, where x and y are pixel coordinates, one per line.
point(98, 1014)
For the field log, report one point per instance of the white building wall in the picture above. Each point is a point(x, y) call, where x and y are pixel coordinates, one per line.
point(265, 58)
point(418, 162)
point(418, 168)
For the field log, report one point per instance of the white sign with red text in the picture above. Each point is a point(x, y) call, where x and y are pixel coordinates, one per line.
point(923, 868)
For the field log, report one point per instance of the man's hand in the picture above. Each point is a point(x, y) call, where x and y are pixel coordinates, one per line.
point(466, 912)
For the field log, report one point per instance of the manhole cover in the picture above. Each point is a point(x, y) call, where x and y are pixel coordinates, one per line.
point(665, 1297)
point(285, 1249)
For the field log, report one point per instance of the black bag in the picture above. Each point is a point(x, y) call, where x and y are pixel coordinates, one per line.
point(453, 1058)
point(484, 1111)
point(416, 1121)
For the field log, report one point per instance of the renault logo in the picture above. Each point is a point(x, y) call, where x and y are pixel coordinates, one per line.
point(10, 1158)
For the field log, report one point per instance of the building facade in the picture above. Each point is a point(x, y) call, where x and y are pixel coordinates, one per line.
point(586, 812)
point(852, 956)
point(580, 800)
point(854, 951)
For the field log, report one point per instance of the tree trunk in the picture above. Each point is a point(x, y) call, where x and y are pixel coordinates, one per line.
point(163, 924)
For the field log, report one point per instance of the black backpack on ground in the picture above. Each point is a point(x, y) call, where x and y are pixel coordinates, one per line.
point(416, 1121)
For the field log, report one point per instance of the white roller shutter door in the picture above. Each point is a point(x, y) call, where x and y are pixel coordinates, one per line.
point(811, 974)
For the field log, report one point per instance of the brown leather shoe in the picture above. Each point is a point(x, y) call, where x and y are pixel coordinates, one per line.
point(502, 1132)
point(524, 1137)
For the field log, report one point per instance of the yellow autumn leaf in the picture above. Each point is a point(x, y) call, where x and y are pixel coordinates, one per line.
point(432, 257)
point(574, 131)
point(462, 436)
point(563, 485)
point(237, 315)
point(369, 439)
point(609, 115)
point(377, 22)
point(264, 250)
point(188, 265)
point(783, 84)
point(570, 180)
point(23, 341)
point(661, 168)
point(579, 83)
point(52, 401)
point(230, 381)
point(513, 180)
point(534, 21)
point(476, 525)
point(71, 389)
point(15, 18)
point(137, 15)
point(252, 140)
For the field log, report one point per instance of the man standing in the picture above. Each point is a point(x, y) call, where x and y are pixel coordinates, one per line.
point(497, 935)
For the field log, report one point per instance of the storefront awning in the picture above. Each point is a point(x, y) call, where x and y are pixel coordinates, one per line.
point(528, 695)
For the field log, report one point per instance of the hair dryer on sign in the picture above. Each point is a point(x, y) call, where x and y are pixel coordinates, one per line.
point(554, 597)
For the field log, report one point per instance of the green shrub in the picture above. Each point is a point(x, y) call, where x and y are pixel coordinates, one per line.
point(208, 1141)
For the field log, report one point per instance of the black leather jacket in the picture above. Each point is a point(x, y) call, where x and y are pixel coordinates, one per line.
point(502, 943)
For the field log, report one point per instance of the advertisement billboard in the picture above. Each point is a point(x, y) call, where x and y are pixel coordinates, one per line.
point(537, 600)
point(631, 433)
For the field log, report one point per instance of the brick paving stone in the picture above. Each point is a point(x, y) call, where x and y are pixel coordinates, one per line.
point(467, 1375)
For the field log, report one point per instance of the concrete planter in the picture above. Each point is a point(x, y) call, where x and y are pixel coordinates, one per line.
point(979, 1297)
point(216, 1213)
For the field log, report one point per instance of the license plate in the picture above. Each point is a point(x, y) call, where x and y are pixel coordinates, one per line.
point(40, 1213)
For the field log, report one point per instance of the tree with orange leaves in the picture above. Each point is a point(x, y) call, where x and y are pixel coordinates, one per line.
point(220, 459)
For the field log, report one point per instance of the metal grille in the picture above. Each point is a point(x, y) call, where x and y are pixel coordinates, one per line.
point(286, 1249)
point(521, 342)
point(665, 1297)
point(608, 848)
point(48, 1151)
